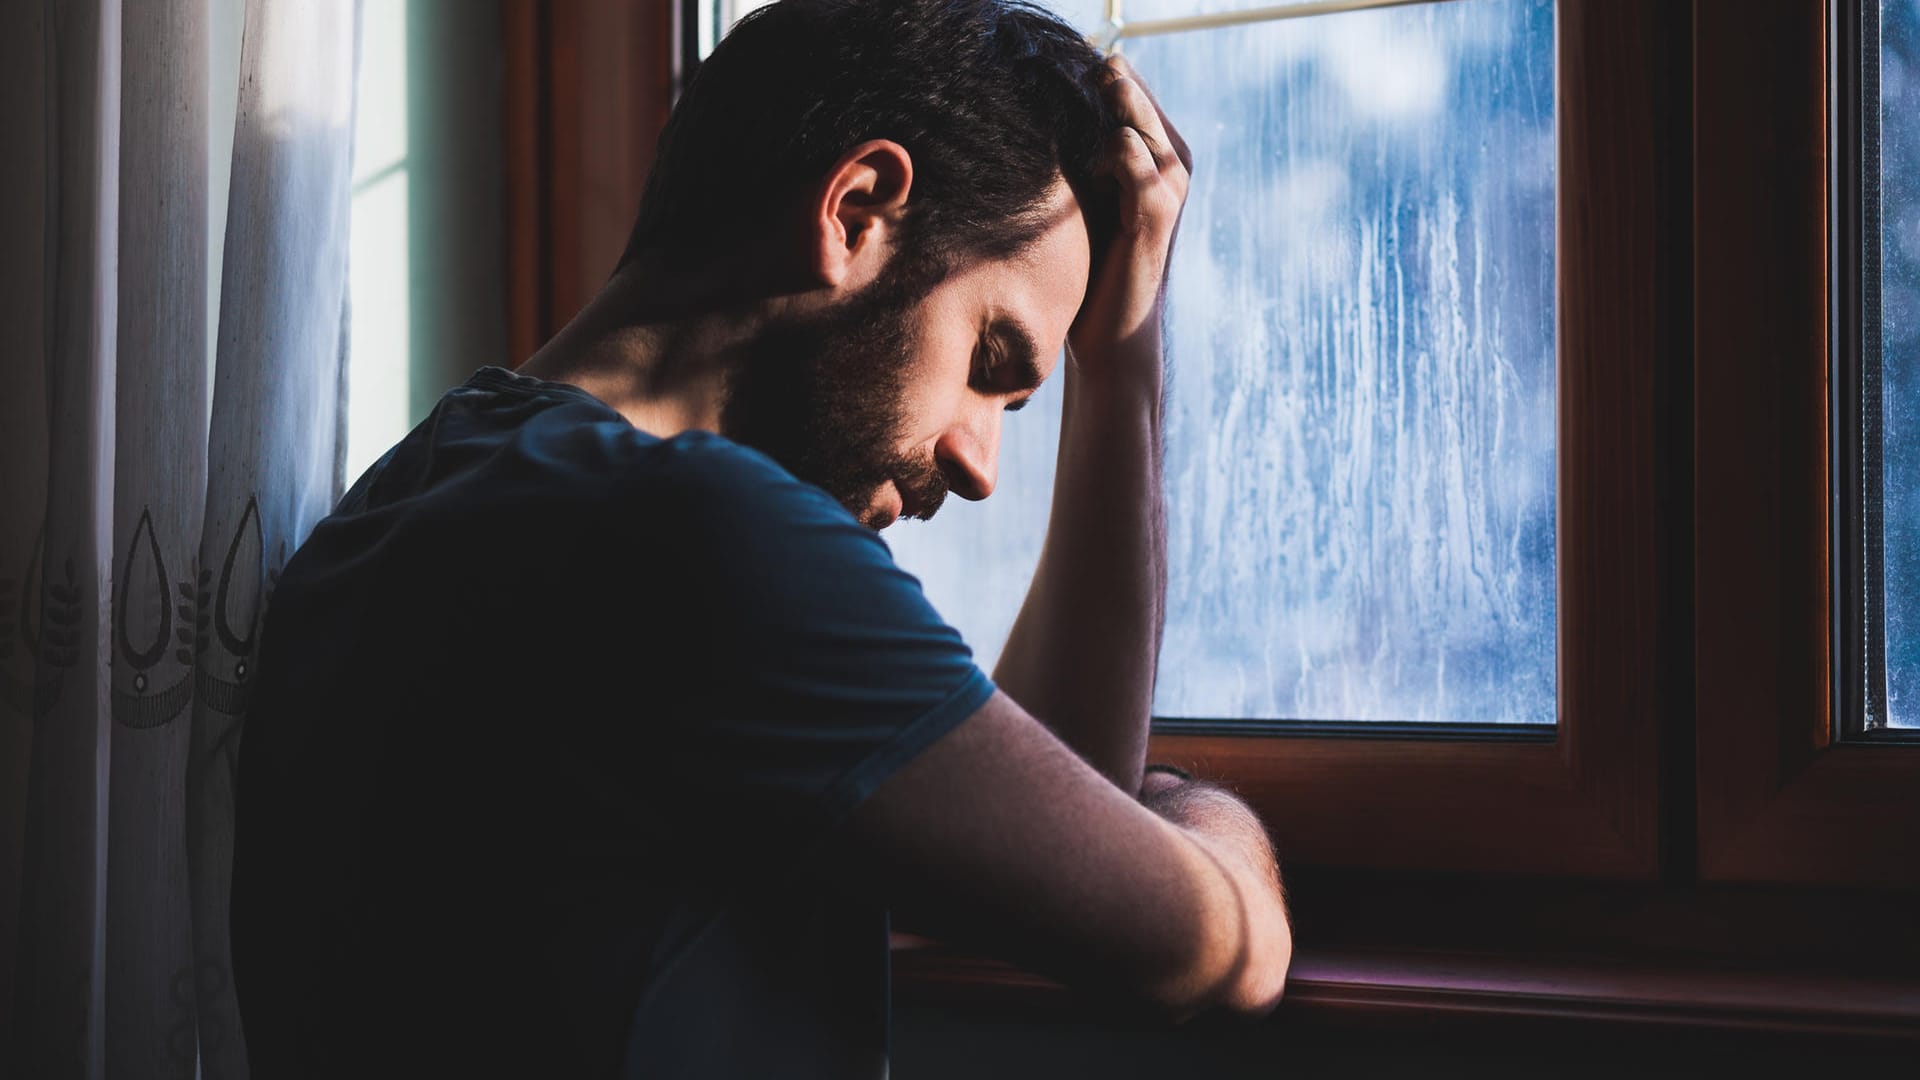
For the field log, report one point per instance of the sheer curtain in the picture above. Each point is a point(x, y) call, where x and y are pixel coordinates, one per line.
point(149, 502)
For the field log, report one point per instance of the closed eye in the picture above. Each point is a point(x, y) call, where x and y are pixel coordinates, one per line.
point(1007, 362)
point(986, 365)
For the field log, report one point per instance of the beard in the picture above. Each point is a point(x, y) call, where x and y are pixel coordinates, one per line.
point(824, 395)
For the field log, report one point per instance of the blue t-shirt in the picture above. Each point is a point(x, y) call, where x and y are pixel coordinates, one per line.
point(550, 715)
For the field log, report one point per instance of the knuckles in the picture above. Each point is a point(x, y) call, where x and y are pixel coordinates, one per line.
point(1162, 198)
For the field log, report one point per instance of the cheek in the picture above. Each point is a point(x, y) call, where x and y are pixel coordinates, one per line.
point(936, 389)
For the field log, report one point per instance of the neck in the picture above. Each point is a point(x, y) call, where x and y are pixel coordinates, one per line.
point(655, 342)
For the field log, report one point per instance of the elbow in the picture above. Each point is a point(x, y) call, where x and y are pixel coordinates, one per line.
point(1255, 990)
point(1252, 988)
point(1238, 966)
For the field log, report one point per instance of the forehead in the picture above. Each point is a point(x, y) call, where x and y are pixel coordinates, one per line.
point(1040, 288)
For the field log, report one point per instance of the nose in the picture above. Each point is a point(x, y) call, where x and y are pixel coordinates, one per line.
point(969, 455)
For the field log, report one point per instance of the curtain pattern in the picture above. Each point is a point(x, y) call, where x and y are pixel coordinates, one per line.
point(144, 531)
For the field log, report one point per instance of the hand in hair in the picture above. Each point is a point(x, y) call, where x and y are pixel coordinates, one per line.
point(1118, 330)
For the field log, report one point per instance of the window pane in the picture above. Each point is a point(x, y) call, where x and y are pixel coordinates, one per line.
point(1899, 185)
point(1138, 11)
point(1361, 457)
point(378, 279)
point(1087, 16)
point(718, 16)
point(722, 14)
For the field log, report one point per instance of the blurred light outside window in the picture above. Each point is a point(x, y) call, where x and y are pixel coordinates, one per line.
point(378, 284)
point(378, 267)
point(1898, 185)
point(1361, 460)
point(719, 17)
point(223, 105)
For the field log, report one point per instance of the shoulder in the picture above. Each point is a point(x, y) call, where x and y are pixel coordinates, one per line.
point(757, 539)
point(719, 483)
point(572, 447)
point(706, 458)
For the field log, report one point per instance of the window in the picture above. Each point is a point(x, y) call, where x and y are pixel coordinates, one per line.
point(377, 411)
point(1891, 279)
point(1502, 712)
point(378, 281)
point(428, 257)
point(1877, 380)
point(1361, 442)
point(1799, 776)
point(714, 18)
point(1361, 459)
point(1700, 759)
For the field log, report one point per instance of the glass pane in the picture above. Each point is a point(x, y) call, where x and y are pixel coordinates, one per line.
point(380, 123)
point(1138, 11)
point(1361, 456)
point(976, 558)
point(1087, 16)
point(378, 275)
point(718, 17)
point(1899, 183)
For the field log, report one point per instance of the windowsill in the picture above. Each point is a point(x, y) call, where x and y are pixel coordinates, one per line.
point(1382, 985)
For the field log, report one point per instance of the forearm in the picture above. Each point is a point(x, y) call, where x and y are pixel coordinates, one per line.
point(1227, 826)
point(1252, 938)
point(1082, 653)
point(1083, 650)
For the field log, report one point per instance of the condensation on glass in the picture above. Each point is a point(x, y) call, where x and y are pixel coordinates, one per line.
point(1360, 436)
point(1899, 187)
point(1150, 11)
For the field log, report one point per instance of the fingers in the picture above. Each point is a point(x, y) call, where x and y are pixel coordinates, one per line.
point(1143, 109)
point(1134, 159)
point(1137, 113)
point(1143, 157)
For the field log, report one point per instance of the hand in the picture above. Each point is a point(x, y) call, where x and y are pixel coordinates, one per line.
point(1151, 164)
point(1157, 782)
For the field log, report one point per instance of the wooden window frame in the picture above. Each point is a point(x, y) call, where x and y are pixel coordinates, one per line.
point(1590, 801)
point(1782, 799)
point(586, 87)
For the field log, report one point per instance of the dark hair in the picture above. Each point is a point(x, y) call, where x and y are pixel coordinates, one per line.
point(993, 99)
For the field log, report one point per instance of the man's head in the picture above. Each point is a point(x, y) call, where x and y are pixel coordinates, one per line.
point(929, 168)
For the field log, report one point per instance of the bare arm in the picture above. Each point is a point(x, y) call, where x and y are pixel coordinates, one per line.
point(1221, 822)
point(999, 837)
point(1083, 650)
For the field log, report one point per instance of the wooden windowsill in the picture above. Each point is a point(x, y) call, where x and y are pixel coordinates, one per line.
point(1439, 986)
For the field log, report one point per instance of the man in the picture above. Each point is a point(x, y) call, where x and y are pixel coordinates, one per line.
point(596, 731)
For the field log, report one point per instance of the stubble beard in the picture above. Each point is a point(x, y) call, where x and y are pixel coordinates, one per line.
point(824, 395)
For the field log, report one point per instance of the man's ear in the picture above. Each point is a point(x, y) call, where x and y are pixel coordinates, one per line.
point(857, 212)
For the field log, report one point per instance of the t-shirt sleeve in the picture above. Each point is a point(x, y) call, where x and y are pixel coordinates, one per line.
point(812, 666)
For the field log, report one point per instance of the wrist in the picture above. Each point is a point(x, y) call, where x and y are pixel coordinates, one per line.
point(1123, 381)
